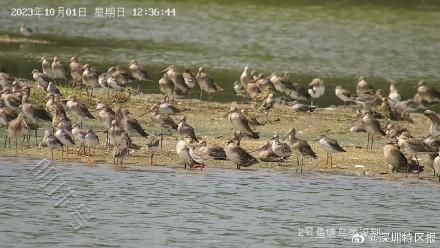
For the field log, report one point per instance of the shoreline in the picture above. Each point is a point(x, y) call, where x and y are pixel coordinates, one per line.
point(210, 125)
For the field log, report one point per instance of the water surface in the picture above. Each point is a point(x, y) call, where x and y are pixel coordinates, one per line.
point(213, 208)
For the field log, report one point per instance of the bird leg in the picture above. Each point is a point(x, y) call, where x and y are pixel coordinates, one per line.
point(368, 140)
point(36, 141)
point(297, 164)
point(418, 166)
point(201, 93)
point(16, 146)
point(51, 153)
point(372, 141)
point(331, 160)
point(151, 158)
point(302, 164)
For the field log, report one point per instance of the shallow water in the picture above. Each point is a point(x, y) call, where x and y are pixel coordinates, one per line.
point(335, 41)
point(213, 208)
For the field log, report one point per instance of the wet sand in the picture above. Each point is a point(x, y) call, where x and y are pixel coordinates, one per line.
point(210, 124)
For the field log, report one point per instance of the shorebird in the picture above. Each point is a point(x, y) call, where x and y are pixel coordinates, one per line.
point(330, 146)
point(41, 79)
point(394, 157)
point(65, 124)
point(166, 107)
point(284, 85)
point(265, 153)
point(65, 138)
point(185, 130)
point(14, 129)
point(137, 72)
point(52, 142)
point(58, 69)
point(10, 99)
point(120, 75)
point(105, 114)
point(152, 147)
point(252, 90)
point(280, 149)
point(238, 155)
point(6, 114)
point(79, 110)
point(363, 86)
point(91, 140)
point(436, 165)
point(180, 87)
point(131, 125)
point(394, 94)
point(164, 121)
point(33, 111)
point(115, 133)
point(268, 103)
point(89, 78)
point(241, 123)
point(79, 134)
point(239, 89)
point(76, 70)
point(300, 148)
point(369, 98)
point(114, 85)
point(300, 107)
point(412, 147)
point(206, 83)
point(372, 126)
point(190, 78)
point(264, 83)
point(316, 89)
point(245, 77)
point(53, 89)
point(183, 152)
point(46, 67)
point(120, 151)
point(166, 85)
point(394, 130)
point(427, 93)
point(410, 106)
point(213, 151)
point(344, 95)
point(26, 31)
point(434, 129)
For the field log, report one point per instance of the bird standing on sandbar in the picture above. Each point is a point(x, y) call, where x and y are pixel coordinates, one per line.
point(238, 155)
point(65, 138)
point(41, 79)
point(372, 126)
point(79, 110)
point(58, 69)
point(137, 72)
point(89, 78)
point(185, 130)
point(52, 142)
point(180, 87)
point(163, 121)
point(76, 70)
point(206, 83)
point(434, 129)
point(330, 146)
point(46, 67)
point(394, 157)
point(241, 123)
point(316, 89)
point(344, 95)
point(280, 149)
point(26, 31)
point(300, 148)
point(91, 140)
point(131, 125)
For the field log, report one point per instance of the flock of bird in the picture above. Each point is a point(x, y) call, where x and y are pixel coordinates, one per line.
point(21, 117)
